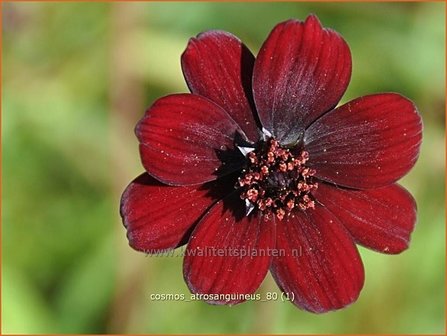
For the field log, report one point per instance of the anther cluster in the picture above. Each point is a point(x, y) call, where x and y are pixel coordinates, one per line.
point(275, 181)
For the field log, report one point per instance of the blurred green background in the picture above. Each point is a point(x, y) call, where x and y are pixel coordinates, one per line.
point(78, 76)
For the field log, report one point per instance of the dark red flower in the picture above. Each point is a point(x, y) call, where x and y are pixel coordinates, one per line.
point(257, 170)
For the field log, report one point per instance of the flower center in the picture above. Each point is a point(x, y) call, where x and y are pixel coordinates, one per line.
point(275, 181)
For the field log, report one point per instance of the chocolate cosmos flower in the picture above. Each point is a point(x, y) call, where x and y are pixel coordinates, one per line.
point(257, 170)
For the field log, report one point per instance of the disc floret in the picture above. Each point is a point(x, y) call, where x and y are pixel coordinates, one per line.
point(275, 181)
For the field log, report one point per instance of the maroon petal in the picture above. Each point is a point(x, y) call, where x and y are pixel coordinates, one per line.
point(228, 253)
point(369, 142)
point(320, 268)
point(380, 219)
point(186, 139)
point(158, 217)
point(302, 71)
point(218, 66)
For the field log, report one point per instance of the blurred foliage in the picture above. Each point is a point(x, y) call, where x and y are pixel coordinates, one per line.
point(77, 77)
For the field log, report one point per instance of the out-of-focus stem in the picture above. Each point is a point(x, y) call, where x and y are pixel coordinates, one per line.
point(126, 106)
point(265, 314)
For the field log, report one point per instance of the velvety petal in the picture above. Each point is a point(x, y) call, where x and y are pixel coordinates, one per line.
point(320, 268)
point(301, 72)
point(186, 139)
point(380, 219)
point(369, 142)
point(228, 252)
point(217, 65)
point(159, 217)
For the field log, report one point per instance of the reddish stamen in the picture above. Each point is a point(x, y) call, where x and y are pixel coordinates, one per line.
point(276, 182)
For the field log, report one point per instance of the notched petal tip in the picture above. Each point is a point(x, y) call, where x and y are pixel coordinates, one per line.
point(311, 19)
point(202, 63)
point(302, 68)
point(369, 142)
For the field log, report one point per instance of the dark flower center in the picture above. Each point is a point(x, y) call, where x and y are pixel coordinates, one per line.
point(275, 181)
